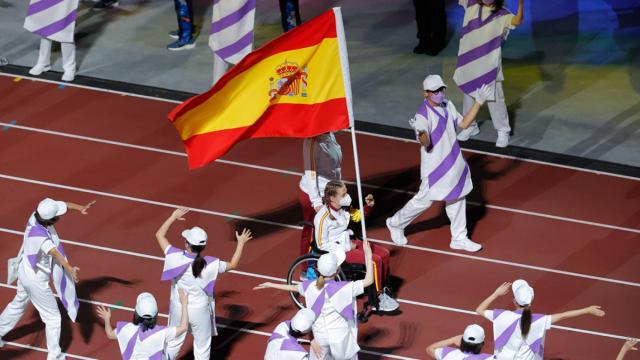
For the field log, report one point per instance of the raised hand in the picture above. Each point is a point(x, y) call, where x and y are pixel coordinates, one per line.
point(84, 209)
point(595, 310)
point(503, 289)
point(483, 94)
point(630, 344)
point(179, 213)
point(264, 285)
point(245, 236)
point(104, 313)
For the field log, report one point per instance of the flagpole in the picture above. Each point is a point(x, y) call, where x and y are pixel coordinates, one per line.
point(344, 61)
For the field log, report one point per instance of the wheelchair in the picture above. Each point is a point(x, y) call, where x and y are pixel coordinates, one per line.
point(347, 272)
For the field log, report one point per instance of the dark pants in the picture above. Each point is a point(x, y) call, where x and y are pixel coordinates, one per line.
point(432, 24)
point(289, 20)
point(186, 27)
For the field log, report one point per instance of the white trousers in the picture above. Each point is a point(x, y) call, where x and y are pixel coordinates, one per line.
point(199, 326)
point(68, 55)
point(219, 68)
point(34, 287)
point(497, 109)
point(456, 211)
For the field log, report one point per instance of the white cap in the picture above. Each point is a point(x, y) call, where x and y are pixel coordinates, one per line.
point(522, 292)
point(49, 208)
point(146, 305)
point(473, 334)
point(303, 320)
point(432, 83)
point(329, 263)
point(195, 236)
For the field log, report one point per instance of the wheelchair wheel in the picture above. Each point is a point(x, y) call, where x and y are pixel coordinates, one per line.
point(295, 271)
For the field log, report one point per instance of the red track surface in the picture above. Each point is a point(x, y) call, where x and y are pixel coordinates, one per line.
point(132, 181)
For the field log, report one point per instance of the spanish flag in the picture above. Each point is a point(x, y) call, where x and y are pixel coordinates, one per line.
point(297, 85)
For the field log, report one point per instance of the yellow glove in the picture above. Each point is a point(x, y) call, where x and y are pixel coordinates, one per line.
point(356, 215)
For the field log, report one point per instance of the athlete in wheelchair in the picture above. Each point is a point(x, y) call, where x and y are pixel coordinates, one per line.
point(331, 233)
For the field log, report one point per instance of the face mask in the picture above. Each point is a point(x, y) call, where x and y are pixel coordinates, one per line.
point(346, 200)
point(438, 97)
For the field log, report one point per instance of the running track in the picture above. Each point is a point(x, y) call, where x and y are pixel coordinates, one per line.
point(573, 234)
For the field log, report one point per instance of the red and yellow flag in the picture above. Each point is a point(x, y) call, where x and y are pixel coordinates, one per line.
point(294, 86)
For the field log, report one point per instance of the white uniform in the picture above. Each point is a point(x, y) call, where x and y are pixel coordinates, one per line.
point(54, 21)
point(137, 344)
point(33, 286)
point(322, 163)
point(335, 328)
point(444, 173)
point(332, 234)
point(283, 346)
point(480, 59)
point(509, 343)
point(200, 313)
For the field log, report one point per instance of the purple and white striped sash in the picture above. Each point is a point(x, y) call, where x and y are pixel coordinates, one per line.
point(506, 323)
point(231, 33)
point(135, 342)
point(339, 293)
point(287, 342)
point(177, 261)
point(34, 235)
point(480, 52)
point(52, 19)
point(451, 160)
point(449, 353)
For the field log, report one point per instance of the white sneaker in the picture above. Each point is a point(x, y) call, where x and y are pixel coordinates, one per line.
point(465, 134)
point(69, 75)
point(39, 69)
point(387, 303)
point(503, 139)
point(466, 245)
point(397, 235)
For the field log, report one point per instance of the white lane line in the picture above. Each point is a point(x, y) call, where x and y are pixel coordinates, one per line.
point(126, 308)
point(288, 172)
point(296, 227)
point(45, 350)
point(357, 131)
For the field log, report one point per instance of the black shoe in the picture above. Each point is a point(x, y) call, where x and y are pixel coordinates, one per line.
point(420, 49)
point(105, 4)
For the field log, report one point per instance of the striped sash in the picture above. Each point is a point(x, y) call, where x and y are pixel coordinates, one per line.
point(34, 235)
point(231, 33)
point(52, 19)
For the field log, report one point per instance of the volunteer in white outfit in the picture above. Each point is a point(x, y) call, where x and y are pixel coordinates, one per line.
point(470, 345)
point(53, 21)
point(628, 345)
point(520, 334)
point(283, 343)
point(41, 257)
point(322, 157)
point(143, 338)
point(444, 173)
point(334, 304)
point(486, 25)
point(197, 275)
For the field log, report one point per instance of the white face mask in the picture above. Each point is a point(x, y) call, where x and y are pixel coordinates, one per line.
point(345, 201)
